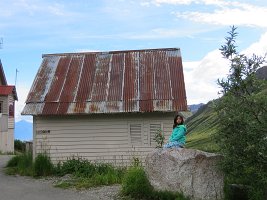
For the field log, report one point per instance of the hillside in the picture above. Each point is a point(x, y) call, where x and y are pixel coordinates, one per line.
point(204, 123)
point(201, 126)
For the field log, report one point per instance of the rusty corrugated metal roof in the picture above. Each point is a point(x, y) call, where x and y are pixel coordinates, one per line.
point(2, 75)
point(7, 90)
point(108, 82)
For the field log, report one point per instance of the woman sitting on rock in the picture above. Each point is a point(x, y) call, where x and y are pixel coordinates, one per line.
point(177, 138)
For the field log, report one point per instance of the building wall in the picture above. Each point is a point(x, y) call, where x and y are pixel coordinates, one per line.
point(7, 126)
point(6, 136)
point(113, 138)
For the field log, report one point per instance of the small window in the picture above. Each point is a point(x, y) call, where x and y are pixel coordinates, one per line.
point(153, 130)
point(136, 134)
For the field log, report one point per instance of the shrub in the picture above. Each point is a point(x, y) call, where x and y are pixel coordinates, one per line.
point(135, 184)
point(43, 165)
point(19, 146)
point(168, 195)
point(77, 167)
point(159, 138)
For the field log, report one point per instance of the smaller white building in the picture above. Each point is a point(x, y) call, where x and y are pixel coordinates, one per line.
point(8, 96)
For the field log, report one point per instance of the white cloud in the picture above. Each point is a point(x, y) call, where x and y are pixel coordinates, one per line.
point(22, 92)
point(201, 77)
point(229, 13)
point(258, 48)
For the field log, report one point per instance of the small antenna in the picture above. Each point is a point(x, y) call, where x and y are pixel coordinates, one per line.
point(1, 43)
point(16, 77)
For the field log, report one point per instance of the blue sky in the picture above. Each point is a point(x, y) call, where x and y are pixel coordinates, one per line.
point(30, 28)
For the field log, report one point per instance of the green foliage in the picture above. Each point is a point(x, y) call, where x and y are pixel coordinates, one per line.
point(13, 162)
point(77, 167)
point(242, 113)
point(135, 184)
point(43, 165)
point(20, 164)
point(159, 138)
point(168, 195)
point(136, 162)
point(19, 146)
point(201, 128)
point(86, 174)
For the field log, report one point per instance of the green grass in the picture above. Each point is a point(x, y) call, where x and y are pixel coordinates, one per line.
point(20, 164)
point(135, 185)
point(201, 128)
point(85, 174)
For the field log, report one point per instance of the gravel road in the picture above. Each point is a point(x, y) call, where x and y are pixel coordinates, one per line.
point(27, 188)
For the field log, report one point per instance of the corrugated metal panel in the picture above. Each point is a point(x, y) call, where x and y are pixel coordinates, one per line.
point(108, 82)
point(2, 75)
point(7, 90)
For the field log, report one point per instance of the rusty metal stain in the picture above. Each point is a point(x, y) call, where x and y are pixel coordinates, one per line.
point(42, 80)
point(108, 82)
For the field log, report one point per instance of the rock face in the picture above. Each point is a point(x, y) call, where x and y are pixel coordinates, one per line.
point(192, 172)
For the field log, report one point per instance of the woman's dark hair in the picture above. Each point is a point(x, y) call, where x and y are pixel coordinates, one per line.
point(175, 119)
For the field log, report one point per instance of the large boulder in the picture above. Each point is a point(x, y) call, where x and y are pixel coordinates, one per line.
point(192, 172)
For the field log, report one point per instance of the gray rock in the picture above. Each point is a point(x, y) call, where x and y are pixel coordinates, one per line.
point(192, 172)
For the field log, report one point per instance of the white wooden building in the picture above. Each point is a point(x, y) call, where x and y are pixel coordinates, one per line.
point(105, 106)
point(8, 96)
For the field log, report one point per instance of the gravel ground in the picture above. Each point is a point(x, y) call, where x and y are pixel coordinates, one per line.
point(27, 188)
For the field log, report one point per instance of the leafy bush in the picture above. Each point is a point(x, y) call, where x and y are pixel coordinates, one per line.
point(159, 138)
point(77, 167)
point(43, 165)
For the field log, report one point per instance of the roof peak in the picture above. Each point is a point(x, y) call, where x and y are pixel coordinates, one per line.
point(111, 52)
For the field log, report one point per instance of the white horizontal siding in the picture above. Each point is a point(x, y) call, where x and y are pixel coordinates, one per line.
point(11, 123)
point(97, 137)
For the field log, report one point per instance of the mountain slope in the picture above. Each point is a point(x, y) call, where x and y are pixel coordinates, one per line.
point(201, 126)
point(204, 123)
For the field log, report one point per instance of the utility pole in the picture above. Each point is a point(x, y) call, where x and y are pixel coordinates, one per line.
point(16, 77)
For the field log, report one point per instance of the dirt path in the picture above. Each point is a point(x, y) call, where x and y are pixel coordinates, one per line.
point(26, 188)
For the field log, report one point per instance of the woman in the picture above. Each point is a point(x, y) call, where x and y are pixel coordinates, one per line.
point(177, 138)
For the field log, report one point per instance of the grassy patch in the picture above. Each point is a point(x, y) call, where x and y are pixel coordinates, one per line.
point(20, 164)
point(85, 174)
point(204, 142)
point(136, 185)
point(202, 126)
